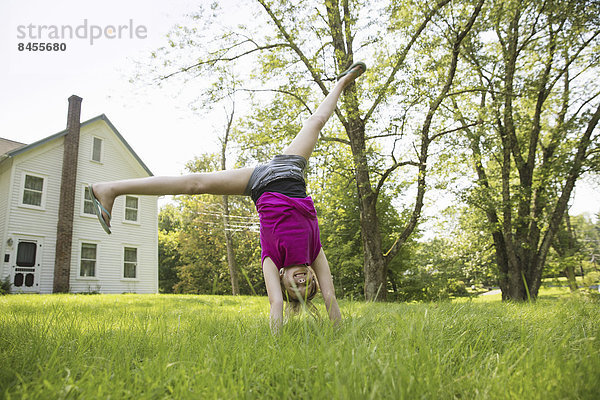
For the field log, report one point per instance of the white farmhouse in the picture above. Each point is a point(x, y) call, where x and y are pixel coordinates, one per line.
point(50, 238)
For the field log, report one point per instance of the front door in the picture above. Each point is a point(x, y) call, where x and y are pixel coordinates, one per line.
point(26, 267)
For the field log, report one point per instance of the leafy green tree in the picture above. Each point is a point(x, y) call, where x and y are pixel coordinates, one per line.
point(471, 249)
point(529, 84)
point(430, 271)
point(413, 48)
point(231, 261)
point(332, 187)
point(460, 257)
point(587, 234)
point(568, 250)
point(575, 252)
point(169, 226)
point(204, 267)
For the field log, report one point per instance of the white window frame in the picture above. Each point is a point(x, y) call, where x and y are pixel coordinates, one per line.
point(83, 200)
point(94, 138)
point(42, 206)
point(80, 254)
point(137, 263)
point(125, 208)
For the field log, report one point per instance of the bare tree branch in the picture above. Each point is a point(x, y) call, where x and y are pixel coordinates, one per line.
point(334, 139)
point(225, 59)
point(391, 169)
point(292, 44)
point(464, 126)
point(402, 56)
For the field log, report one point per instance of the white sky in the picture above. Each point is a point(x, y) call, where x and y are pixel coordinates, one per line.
point(35, 86)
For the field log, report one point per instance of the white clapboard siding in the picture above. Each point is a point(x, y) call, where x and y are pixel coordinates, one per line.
point(40, 224)
point(116, 163)
point(5, 175)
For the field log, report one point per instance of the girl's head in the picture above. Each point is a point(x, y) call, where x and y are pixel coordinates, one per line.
point(298, 285)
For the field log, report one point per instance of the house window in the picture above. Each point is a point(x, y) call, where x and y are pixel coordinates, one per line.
point(88, 259)
point(130, 262)
point(97, 150)
point(33, 190)
point(131, 208)
point(88, 205)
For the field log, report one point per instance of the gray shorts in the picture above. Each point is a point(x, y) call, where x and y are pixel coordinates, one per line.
point(280, 167)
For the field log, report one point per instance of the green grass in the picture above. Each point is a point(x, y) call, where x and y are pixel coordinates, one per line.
point(205, 347)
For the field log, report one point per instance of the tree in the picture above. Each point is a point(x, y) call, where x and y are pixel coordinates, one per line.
point(204, 266)
point(334, 192)
point(169, 226)
point(568, 249)
point(223, 92)
point(233, 268)
point(587, 234)
point(306, 44)
point(333, 189)
point(531, 87)
point(472, 249)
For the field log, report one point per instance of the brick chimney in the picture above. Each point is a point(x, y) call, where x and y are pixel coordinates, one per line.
point(68, 186)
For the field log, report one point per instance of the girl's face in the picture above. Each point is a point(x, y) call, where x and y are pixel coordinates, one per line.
point(300, 277)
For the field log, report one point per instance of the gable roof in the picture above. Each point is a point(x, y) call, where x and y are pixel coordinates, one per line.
point(7, 145)
point(18, 148)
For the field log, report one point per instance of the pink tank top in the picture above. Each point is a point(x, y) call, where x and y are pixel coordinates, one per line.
point(289, 230)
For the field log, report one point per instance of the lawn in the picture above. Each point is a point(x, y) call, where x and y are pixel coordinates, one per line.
point(205, 347)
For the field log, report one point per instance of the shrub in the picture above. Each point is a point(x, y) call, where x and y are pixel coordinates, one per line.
point(5, 286)
point(457, 287)
point(591, 281)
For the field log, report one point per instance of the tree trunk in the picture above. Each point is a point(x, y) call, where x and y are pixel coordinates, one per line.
point(570, 273)
point(233, 270)
point(566, 246)
point(574, 249)
point(375, 267)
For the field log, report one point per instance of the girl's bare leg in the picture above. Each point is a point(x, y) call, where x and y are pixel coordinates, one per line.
point(229, 181)
point(221, 182)
point(305, 141)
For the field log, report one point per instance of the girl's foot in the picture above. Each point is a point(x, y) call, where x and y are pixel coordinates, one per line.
point(103, 203)
point(355, 70)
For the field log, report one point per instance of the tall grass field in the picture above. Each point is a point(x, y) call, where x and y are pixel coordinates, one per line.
point(218, 347)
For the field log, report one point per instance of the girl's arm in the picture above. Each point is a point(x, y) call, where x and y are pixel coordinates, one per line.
point(321, 268)
point(273, 285)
